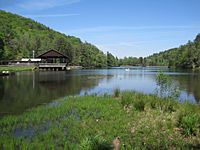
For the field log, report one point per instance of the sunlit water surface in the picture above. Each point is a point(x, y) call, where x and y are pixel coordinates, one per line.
point(29, 89)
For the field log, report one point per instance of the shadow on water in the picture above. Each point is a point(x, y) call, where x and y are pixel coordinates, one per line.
point(29, 89)
point(190, 84)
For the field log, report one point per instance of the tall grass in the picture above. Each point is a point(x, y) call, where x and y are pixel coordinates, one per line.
point(93, 122)
point(116, 92)
point(189, 121)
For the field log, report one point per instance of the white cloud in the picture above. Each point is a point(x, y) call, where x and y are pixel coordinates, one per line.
point(51, 15)
point(136, 40)
point(44, 4)
point(116, 28)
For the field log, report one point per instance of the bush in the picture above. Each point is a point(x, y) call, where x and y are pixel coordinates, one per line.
point(190, 123)
point(117, 92)
point(165, 87)
point(139, 105)
point(170, 106)
point(167, 105)
point(126, 99)
point(153, 104)
point(96, 142)
point(130, 99)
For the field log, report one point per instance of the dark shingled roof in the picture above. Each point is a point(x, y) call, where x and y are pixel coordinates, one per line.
point(52, 54)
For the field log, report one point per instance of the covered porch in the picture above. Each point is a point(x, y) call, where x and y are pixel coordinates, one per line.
point(53, 60)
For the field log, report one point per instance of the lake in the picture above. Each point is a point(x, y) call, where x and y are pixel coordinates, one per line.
point(25, 90)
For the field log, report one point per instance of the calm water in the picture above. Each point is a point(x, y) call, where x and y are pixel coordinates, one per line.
point(28, 89)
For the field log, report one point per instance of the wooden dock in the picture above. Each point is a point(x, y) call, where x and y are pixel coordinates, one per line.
point(53, 66)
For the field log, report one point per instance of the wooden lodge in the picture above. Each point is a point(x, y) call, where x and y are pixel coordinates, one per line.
point(53, 60)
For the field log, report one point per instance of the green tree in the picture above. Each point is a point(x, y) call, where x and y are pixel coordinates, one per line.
point(21, 36)
point(111, 61)
point(1, 48)
point(141, 60)
point(197, 39)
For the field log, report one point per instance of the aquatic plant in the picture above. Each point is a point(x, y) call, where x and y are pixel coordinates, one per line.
point(166, 88)
point(190, 123)
point(96, 142)
point(92, 122)
point(116, 92)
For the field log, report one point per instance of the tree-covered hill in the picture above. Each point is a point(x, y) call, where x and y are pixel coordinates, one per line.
point(19, 36)
point(186, 56)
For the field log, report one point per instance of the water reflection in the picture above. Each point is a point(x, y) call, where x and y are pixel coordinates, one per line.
point(190, 85)
point(29, 89)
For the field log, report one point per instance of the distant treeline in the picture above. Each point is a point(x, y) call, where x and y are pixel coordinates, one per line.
point(19, 36)
point(186, 56)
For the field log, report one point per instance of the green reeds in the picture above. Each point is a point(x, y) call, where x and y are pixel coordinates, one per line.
point(92, 122)
point(116, 92)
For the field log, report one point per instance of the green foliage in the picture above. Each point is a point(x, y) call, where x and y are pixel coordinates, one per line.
point(95, 143)
point(131, 100)
point(190, 123)
point(197, 39)
point(186, 56)
point(165, 105)
point(111, 60)
point(139, 105)
point(117, 92)
point(93, 122)
point(165, 87)
point(162, 79)
point(19, 36)
point(126, 100)
point(1, 47)
point(132, 61)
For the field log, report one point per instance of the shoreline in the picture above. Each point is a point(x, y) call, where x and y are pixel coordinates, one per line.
point(140, 120)
point(16, 68)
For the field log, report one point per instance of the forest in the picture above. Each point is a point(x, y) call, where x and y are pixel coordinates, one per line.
point(19, 36)
point(185, 56)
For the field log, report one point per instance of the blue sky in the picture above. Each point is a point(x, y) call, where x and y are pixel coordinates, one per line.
point(122, 27)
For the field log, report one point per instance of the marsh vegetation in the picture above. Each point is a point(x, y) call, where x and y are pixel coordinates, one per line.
point(92, 122)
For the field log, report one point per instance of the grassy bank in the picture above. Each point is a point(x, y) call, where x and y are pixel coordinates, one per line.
point(91, 122)
point(16, 68)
